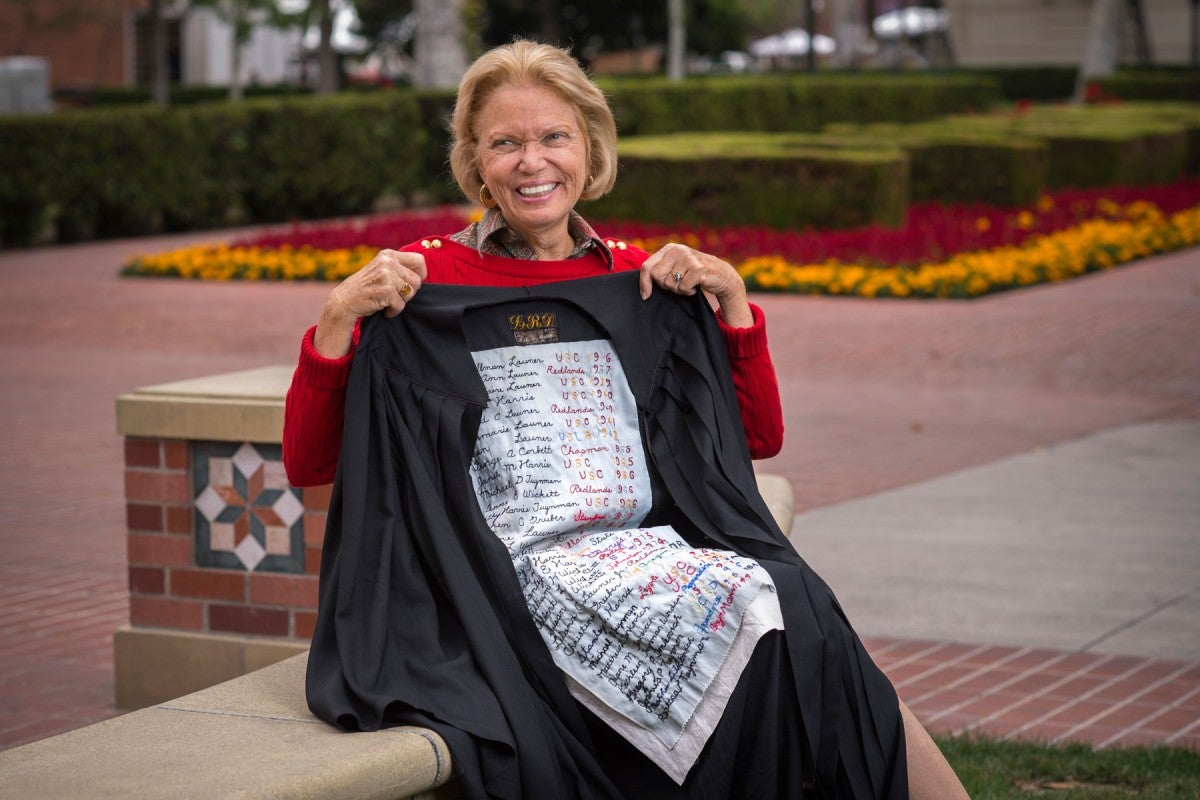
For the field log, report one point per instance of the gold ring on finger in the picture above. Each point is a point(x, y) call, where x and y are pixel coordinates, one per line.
point(678, 277)
point(405, 291)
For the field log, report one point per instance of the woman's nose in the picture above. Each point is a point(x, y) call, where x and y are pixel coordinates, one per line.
point(532, 153)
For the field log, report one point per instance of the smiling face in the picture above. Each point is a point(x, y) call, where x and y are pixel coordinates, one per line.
point(532, 156)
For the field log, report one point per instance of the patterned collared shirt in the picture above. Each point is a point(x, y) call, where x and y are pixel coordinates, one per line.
point(492, 236)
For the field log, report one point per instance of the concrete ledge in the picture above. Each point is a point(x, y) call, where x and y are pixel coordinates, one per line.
point(780, 497)
point(252, 737)
point(242, 406)
point(154, 665)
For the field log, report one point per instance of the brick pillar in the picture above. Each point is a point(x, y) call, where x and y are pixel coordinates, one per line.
point(223, 553)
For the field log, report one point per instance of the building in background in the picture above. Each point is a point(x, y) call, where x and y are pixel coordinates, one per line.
point(89, 44)
point(86, 44)
point(106, 43)
point(1015, 32)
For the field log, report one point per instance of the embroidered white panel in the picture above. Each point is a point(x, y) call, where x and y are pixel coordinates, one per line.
point(645, 626)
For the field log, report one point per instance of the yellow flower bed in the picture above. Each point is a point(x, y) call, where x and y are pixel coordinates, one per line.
point(1141, 230)
point(1090, 246)
point(224, 263)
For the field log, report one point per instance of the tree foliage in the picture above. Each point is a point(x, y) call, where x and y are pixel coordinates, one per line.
point(383, 21)
point(713, 25)
point(586, 27)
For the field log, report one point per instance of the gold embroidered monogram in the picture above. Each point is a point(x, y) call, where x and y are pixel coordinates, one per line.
point(533, 328)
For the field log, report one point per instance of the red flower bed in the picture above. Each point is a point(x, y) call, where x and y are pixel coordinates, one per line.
point(931, 232)
point(383, 230)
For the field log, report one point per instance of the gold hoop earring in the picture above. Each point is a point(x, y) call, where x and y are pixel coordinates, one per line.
point(485, 197)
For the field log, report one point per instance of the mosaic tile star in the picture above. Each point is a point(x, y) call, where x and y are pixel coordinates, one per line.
point(247, 516)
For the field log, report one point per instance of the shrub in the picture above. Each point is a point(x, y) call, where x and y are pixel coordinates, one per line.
point(130, 171)
point(751, 179)
point(1100, 146)
point(1153, 84)
point(328, 158)
point(956, 166)
point(110, 173)
point(791, 102)
point(1040, 83)
point(179, 95)
point(433, 174)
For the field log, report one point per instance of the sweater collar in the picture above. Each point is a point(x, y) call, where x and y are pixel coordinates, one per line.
point(493, 236)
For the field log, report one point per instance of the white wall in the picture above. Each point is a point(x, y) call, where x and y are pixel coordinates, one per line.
point(268, 58)
point(996, 32)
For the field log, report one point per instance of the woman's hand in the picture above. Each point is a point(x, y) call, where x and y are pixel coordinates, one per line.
point(680, 269)
point(385, 284)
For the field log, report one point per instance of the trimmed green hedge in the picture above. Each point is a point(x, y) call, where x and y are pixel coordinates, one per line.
point(792, 102)
point(1085, 159)
point(1186, 115)
point(437, 180)
point(1039, 83)
point(108, 174)
point(137, 171)
point(957, 167)
point(1053, 82)
point(329, 158)
point(1149, 84)
point(754, 179)
point(106, 96)
point(1097, 146)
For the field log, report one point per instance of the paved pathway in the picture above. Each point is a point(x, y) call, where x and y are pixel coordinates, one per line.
point(879, 395)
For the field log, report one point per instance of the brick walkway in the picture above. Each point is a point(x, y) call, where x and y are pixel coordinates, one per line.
point(1045, 695)
point(878, 395)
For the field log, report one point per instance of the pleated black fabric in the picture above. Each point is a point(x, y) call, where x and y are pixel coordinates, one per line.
point(422, 621)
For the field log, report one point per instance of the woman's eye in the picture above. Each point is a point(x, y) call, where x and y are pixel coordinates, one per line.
point(556, 138)
point(504, 146)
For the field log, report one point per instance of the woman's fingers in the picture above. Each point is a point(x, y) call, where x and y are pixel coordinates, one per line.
point(680, 269)
point(385, 284)
point(401, 276)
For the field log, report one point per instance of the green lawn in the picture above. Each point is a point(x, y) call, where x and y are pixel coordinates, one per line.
point(992, 769)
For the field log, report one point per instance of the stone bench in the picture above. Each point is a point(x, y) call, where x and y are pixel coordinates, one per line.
point(250, 737)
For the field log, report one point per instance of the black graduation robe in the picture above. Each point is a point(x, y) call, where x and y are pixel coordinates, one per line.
point(421, 619)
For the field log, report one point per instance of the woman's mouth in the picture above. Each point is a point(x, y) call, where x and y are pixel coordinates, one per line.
point(539, 190)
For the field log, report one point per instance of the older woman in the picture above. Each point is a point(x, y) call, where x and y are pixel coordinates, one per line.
point(532, 136)
point(738, 676)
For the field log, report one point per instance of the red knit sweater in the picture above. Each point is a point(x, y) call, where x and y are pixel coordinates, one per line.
point(315, 404)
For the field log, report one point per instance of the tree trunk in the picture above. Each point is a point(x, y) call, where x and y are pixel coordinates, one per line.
point(237, 23)
point(548, 13)
point(328, 77)
point(810, 24)
point(676, 41)
point(1194, 35)
point(848, 31)
point(438, 47)
point(159, 79)
point(1100, 52)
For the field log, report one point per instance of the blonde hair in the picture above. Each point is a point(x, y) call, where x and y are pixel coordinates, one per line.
point(526, 63)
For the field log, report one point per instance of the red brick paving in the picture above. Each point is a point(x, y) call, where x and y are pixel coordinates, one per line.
point(877, 395)
point(1017, 693)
